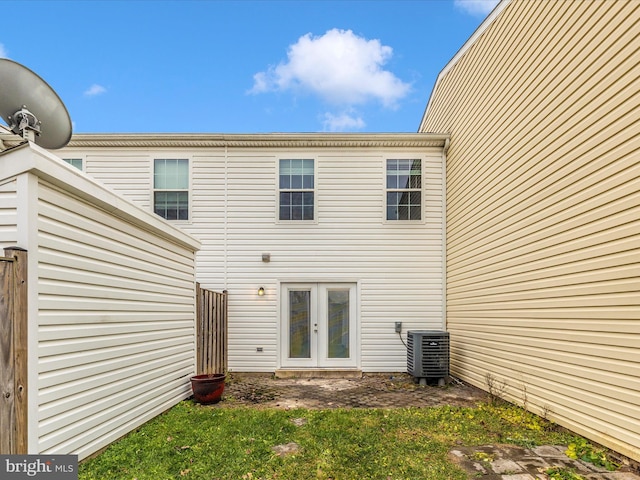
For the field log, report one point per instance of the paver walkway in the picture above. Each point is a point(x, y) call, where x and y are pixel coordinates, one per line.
point(509, 462)
point(370, 391)
point(489, 462)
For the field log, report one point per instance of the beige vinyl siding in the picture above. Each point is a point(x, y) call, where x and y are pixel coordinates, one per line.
point(8, 214)
point(543, 211)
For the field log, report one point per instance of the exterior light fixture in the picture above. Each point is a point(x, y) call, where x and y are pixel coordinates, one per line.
point(261, 292)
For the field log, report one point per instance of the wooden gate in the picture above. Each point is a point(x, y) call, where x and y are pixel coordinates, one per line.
point(13, 352)
point(211, 355)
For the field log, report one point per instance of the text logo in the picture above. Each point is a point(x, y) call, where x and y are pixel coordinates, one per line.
point(39, 467)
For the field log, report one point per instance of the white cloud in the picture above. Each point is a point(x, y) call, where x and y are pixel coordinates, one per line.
point(339, 66)
point(476, 7)
point(3, 51)
point(94, 90)
point(342, 122)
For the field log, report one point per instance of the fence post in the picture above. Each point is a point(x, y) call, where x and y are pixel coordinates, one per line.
point(223, 334)
point(13, 358)
point(199, 332)
point(7, 372)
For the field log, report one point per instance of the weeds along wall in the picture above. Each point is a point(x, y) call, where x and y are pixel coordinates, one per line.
point(111, 304)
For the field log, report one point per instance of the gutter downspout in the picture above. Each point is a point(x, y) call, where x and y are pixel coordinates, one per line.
point(445, 150)
point(225, 215)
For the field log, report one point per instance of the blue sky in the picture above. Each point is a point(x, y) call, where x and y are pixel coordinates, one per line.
point(240, 66)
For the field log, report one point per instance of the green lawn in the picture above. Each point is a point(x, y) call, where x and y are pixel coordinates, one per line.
point(191, 441)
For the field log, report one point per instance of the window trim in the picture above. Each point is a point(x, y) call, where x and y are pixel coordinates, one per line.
point(278, 190)
point(79, 157)
point(422, 190)
point(189, 190)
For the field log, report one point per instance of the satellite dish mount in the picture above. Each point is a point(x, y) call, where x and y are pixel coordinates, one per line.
point(25, 124)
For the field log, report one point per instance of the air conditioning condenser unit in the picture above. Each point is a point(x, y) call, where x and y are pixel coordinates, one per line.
point(428, 355)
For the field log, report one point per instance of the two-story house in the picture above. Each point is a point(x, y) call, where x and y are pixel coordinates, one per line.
point(323, 241)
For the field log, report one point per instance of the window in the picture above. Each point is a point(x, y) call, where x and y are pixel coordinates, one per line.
point(171, 188)
point(296, 195)
point(404, 190)
point(74, 162)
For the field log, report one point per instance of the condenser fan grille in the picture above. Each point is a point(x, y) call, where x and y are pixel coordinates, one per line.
point(428, 354)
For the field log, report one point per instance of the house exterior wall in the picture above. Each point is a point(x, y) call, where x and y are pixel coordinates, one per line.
point(543, 211)
point(396, 266)
point(131, 179)
point(111, 308)
point(8, 213)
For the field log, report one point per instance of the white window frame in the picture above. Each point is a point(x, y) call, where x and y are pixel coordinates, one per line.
point(70, 159)
point(387, 190)
point(172, 156)
point(281, 190)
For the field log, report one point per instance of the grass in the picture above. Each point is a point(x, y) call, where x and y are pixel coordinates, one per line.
point(561, 473)
point(191, 441)
point(583, 450)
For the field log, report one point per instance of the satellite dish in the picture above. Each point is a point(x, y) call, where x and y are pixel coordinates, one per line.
point(31, 108)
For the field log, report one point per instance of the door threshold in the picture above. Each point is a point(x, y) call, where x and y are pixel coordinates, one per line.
point(317, 373)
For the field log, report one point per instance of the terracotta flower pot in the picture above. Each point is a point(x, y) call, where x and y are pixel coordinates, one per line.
point(208, 388)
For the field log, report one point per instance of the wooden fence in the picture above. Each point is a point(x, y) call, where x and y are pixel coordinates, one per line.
point(13, 352)
point(211, 355)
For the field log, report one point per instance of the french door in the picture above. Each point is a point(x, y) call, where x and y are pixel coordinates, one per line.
point(318, 325)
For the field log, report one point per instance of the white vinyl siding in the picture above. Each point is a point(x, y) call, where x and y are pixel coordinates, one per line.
point(543, 212)
point(8, 214)
point(111, 307)
point(208, 216)
point(132, 177)
point(397, 266)
point(116, 338)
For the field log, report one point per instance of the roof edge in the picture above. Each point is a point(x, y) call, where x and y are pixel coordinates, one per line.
point(495, 13)
point(263, 140)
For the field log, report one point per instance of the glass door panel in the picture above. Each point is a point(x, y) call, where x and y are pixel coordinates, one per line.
point(338, 323)
point(299, 324)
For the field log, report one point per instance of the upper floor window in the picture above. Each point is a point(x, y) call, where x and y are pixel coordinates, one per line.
point(75, 162)
point(404, 190)
point(296, 192)
point(171, 188)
